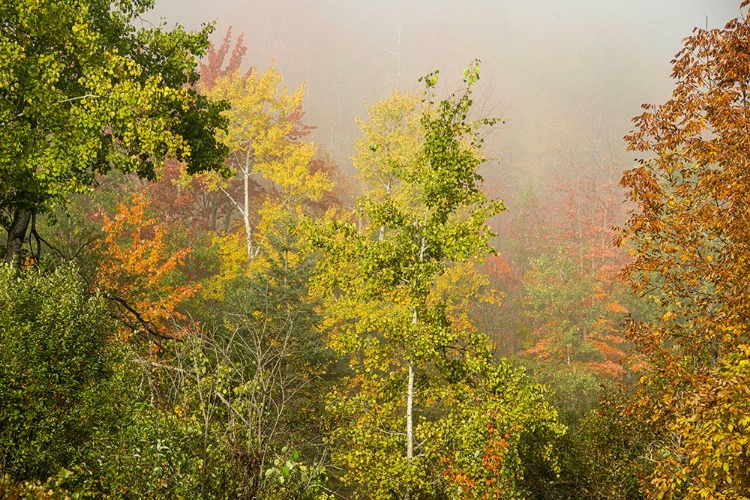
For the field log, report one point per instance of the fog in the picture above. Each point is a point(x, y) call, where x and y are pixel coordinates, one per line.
point(565, 75)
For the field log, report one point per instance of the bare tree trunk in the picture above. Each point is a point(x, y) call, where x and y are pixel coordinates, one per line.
point(244, 210)
point(409, 415)
point(410, 384)
point(17, 234)
point(246, 213)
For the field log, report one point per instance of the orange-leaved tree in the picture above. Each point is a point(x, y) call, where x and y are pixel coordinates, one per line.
point(690, 238)
point(138, 270)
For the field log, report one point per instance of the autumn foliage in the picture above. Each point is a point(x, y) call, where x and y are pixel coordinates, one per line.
point(690, 238)
point(421, 340)
point(137, 269)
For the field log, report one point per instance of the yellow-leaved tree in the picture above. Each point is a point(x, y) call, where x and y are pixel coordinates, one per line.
point(263, 348)
point(425, 411)
point(265, 147)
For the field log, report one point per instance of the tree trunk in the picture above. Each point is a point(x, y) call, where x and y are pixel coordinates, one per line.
point(409, 417)
point(246, 213)
point(17, 234)
point(410, 384)
point(409, 423)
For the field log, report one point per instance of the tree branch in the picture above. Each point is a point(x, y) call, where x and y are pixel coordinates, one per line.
point(147, 325)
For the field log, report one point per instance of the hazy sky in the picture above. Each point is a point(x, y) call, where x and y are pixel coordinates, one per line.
point(566, 75)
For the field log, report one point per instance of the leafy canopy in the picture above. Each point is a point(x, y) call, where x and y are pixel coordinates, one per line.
point(690, 239)
point(417, 364)
point(84, 90)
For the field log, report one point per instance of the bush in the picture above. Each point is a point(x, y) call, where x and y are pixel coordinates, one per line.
point(56, 360)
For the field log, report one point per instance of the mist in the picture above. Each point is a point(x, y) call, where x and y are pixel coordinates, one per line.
point(565, 76)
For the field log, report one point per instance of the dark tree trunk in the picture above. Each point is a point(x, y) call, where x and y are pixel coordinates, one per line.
point(17, 234)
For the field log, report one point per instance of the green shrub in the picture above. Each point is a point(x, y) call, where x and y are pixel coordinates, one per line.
point(56, 361)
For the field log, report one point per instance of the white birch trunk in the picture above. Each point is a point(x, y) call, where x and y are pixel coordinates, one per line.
point(410, 383)
point(246, 212)
point(244, 207)
point(409, 417)
point(410, 406)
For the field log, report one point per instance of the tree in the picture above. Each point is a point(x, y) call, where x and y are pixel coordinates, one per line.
point(263, 138)
point(392, 137)
point(213, 67)
point(424, 391)
point(690, 238)
point(83, 91)
point(137, 271)
point(253, 381)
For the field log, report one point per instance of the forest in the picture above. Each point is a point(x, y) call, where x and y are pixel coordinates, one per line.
point(198, 302)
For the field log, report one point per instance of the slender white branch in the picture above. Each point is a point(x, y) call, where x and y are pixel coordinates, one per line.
point(79, 98)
